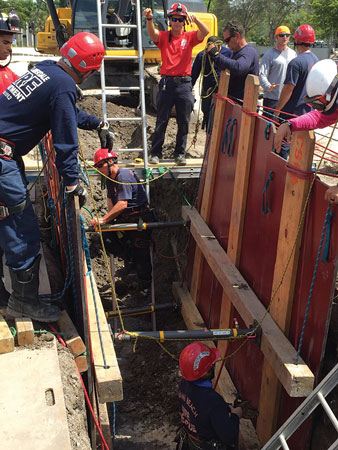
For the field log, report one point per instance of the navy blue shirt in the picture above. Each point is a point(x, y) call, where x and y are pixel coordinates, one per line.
point(241, 64)
point(296, 74)
point(133, 193)
point(43, 99)
point(208, 78)
point(205, 414)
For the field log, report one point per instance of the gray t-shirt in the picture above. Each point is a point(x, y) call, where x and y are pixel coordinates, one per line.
point(273, 70)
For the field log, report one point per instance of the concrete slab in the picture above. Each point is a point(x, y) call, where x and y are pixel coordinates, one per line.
point(32, 409)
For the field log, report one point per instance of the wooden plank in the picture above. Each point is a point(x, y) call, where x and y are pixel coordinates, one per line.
point(286, 265)
point(241, 183)
point(297, 380)
point(105, 425)
point(243, 163)
point(107, 372)
point(32, 409)
point(215, 140)
point(6, 337)
point(73, 340)
point(225, 386)
point(24, 330)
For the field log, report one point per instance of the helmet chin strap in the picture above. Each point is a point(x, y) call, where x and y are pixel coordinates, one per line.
point(8, 62)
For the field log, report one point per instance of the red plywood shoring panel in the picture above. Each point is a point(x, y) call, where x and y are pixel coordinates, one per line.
point(257, 265)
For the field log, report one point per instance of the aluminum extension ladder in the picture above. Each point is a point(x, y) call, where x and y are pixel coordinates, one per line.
point(316, 398)
point(141, 90)
point(105, 89)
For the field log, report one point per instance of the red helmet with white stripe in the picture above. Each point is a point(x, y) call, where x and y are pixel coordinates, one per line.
point(178, 9)
point(196, 360)
point(102, 154)
point(84, 51)
point(304, 34)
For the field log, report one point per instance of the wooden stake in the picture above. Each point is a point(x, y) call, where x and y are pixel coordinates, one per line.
point(215, 142)
point(289, 240)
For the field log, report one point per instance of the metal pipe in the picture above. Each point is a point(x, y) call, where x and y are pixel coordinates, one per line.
point(181, 335)
point(136, 226)
point(139, 310)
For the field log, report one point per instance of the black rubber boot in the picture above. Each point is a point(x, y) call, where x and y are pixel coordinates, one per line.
point(24, 300)
point(4, 295)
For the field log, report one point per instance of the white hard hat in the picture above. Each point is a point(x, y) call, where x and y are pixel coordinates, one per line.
point(321, 85)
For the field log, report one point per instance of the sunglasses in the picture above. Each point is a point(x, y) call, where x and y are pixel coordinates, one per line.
point(284, 35)
point(177, 19)
point(228, 39)
point(101, 164)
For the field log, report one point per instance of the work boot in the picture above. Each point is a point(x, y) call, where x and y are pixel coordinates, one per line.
point(180, 160)
point(24, 300)
point(4, 295)
point(154, 159)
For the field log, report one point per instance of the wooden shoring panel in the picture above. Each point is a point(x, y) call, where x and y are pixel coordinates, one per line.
point(285, 273)
point(297, 380)
point(240, 190)
point(225, 387)
point(213, 153)
point(6, 337)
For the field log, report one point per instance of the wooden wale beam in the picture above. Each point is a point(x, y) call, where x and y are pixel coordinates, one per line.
point(225, 387)
point(108, 379)
point(297, 379)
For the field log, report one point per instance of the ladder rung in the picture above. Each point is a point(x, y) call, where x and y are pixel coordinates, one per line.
point(328, 410)
point(125, 150)
point(120, 119)
point(121, 57)
point(283, 442)
point(121, 88)
point(118, 25)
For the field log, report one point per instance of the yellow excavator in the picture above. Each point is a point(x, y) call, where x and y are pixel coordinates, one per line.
point(82, 16)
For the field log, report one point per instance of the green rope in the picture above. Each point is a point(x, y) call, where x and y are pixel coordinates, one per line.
point(178, 188)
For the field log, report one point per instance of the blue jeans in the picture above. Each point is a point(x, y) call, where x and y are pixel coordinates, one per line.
point(19, 232)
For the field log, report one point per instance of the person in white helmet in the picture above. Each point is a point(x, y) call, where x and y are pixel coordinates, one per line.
point(322, 94)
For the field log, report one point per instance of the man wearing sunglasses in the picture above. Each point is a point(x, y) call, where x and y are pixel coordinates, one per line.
point(273, 69)
point(244, 60)
point(175, 87)
point(291, 100)
point(9, 26)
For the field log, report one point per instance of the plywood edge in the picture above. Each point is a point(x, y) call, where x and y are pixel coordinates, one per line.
point(107, 371)
point(225, 387)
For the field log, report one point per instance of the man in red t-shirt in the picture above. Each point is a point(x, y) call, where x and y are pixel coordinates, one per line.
point(8, 27)
point(175, 87)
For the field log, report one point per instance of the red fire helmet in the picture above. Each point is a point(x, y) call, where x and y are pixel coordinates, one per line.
point(196, 360)
point(304, 34)
point(84, 51)
point(102, 154)
point(178, 9)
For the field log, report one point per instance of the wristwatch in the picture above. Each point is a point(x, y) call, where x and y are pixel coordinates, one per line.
point(150, 18)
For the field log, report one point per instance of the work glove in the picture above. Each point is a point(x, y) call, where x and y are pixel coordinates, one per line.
point(214, 51)
point(106, 135)
point(81, 192)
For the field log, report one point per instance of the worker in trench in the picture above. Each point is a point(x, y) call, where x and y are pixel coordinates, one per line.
point(322, 95)
point(208, 422)
point(42, 99)
point(127, 203)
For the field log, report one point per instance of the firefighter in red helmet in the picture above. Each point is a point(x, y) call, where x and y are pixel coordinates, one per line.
point(42, 99)
point(127, 202)
point(208, 422)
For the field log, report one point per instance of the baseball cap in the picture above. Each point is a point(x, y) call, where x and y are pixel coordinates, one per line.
point(282, 29)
